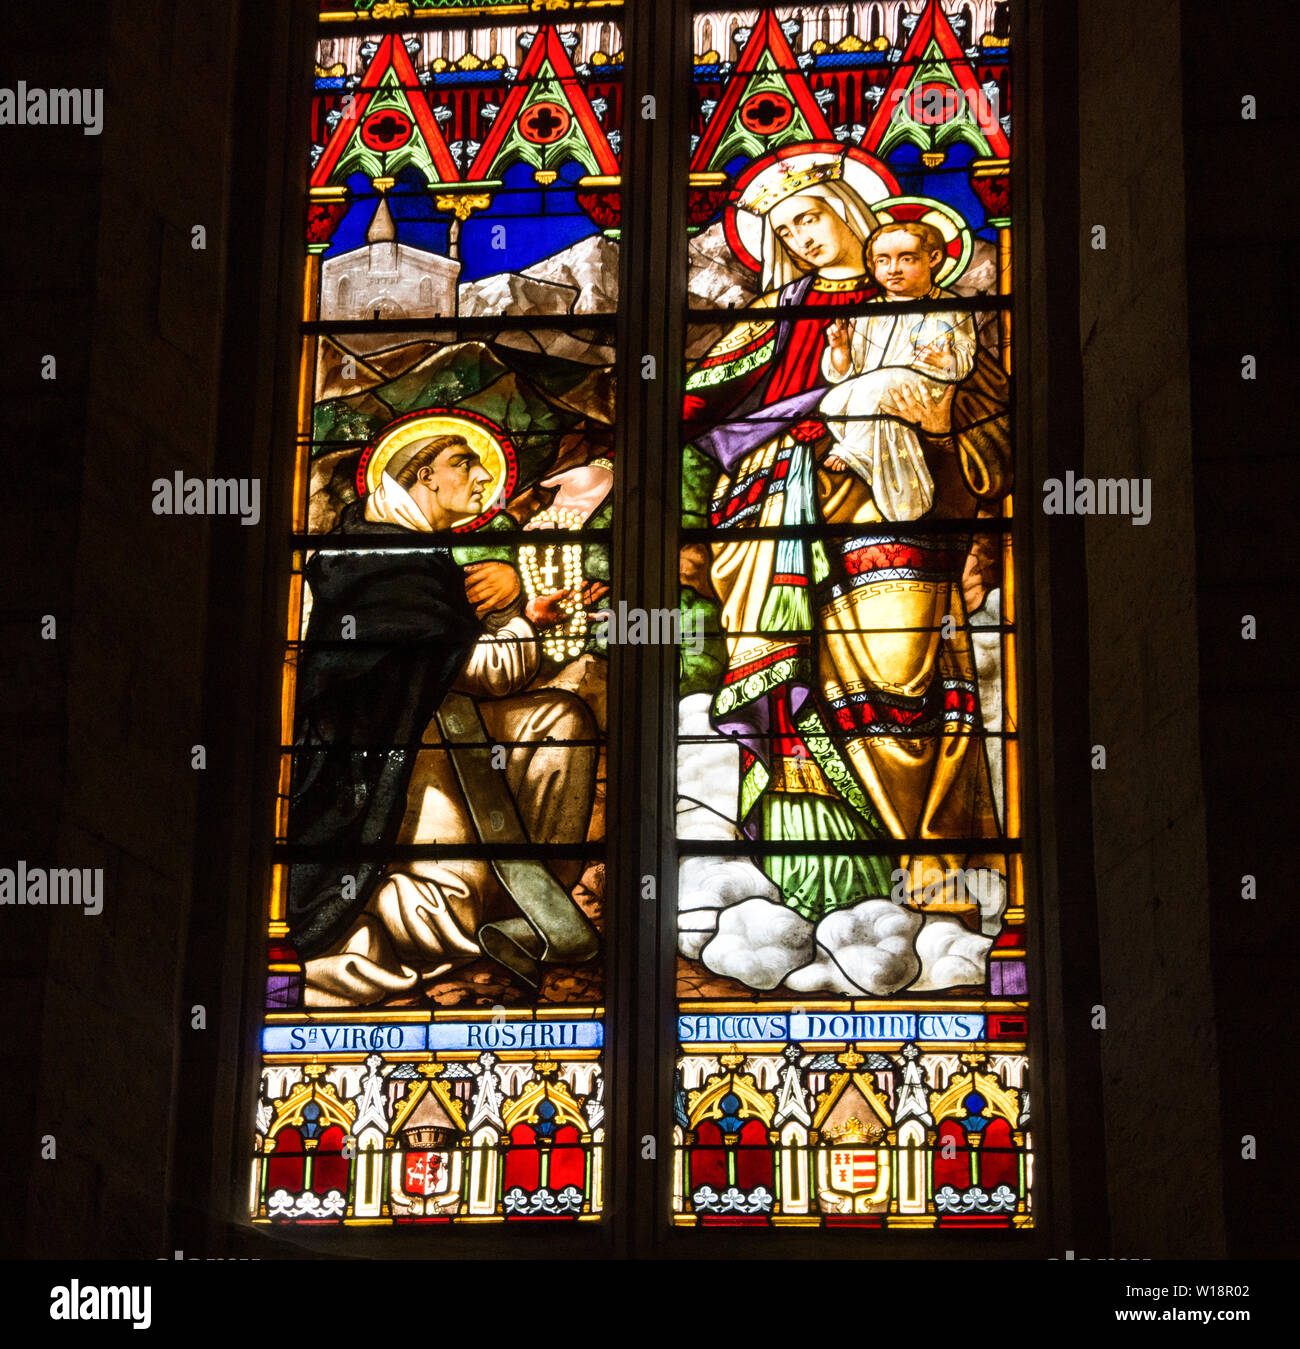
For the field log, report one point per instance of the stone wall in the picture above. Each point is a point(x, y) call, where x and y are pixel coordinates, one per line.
point(51, 180)
point(1159, 1045)
point(134, 314)
point(1242, 223)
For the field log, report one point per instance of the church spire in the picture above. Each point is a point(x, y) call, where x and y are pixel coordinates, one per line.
point(382, 230)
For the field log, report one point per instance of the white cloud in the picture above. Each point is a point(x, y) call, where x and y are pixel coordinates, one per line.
point(866, 948)
point(706, 885)
point(950, 954)
point(759, 942)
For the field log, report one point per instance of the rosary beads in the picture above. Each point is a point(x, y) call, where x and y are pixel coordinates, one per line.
point(565, 640)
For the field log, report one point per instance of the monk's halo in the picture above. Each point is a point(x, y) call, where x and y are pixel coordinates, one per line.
point(483, 436)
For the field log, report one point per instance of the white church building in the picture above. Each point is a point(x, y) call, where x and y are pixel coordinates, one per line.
point(386, 279)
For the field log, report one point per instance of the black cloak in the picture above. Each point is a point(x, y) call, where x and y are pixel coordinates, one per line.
point(363, 703)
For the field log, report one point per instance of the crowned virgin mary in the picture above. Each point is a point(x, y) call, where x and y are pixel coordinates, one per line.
point(856, 715)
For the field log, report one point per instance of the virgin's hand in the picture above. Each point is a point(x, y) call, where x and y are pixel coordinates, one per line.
point(835, 464)
point(490, 586)
point(913, 403)
point(938, 415)
point(581, 490)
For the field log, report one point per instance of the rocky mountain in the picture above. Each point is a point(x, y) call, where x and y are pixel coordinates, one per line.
point(580, 279)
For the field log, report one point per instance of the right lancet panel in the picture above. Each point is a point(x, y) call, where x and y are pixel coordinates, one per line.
point(851, 956)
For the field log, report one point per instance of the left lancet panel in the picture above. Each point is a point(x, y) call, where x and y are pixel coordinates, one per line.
point(432, 1040)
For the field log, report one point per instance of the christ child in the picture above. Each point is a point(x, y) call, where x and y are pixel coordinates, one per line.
point(876, 361)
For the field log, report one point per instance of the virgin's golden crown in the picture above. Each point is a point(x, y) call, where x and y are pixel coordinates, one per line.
point(782, 181)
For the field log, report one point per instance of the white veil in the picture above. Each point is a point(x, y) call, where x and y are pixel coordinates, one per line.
point(779, 267)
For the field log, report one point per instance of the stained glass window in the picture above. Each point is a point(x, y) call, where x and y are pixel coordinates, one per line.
point(850, 974)
point(851, 958)
point(434, 1025)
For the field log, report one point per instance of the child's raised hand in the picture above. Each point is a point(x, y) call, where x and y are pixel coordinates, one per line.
point(839, 334)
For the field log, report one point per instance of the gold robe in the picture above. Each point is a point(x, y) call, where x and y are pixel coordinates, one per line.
point(886, 636)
